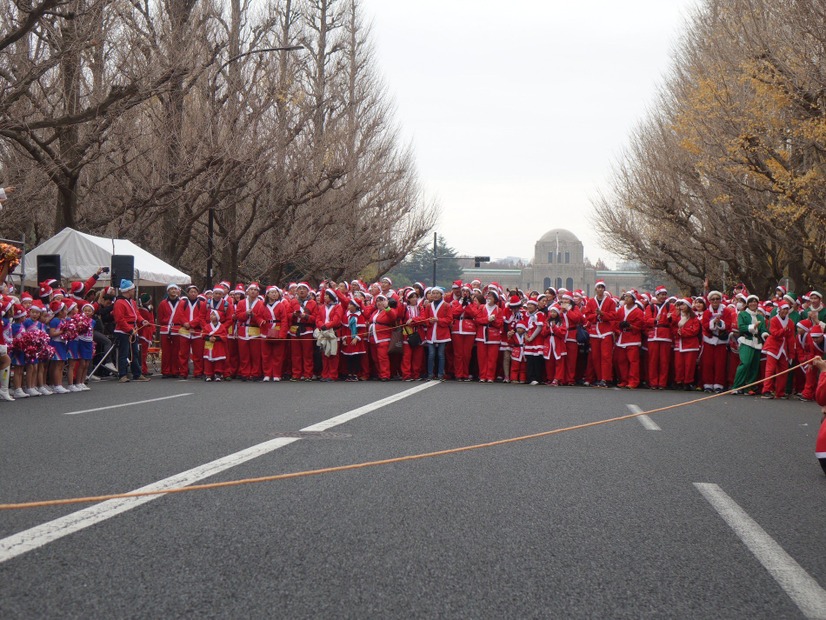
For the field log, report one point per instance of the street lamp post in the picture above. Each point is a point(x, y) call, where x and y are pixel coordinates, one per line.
point(211, 214)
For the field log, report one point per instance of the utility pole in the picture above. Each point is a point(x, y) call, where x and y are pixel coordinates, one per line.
point(434, 260)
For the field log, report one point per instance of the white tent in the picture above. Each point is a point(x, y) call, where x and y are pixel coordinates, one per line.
point(81, 255)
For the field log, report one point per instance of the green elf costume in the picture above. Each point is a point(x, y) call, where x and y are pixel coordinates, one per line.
point(753, 331)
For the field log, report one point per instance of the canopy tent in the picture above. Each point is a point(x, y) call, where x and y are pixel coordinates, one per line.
point(81, 255)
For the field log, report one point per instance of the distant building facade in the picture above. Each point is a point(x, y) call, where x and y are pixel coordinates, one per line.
point(559, 262)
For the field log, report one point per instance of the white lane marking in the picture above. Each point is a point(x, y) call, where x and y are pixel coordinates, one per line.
point(355, 413)
point(17, 544)
point(647, 422)
point(798, 584)
point(137, 402)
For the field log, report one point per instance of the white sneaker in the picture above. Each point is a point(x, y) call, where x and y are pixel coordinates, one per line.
point(45, 390)
point(111, 366)
point(19, 393)
point(266, 379)
point(33, 392)
point(73, 388)
point(276, 378)
point(4, 395)
point(59, 389)
point(82, 387)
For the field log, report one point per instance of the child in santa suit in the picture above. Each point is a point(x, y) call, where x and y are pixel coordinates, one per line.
point(534, 342)
point(687, 330)
point(631, 325)
point(215, 347)
point(779, 346)
point(489, 322)
point(555, 350)
point(516, 339)
point(353, 339)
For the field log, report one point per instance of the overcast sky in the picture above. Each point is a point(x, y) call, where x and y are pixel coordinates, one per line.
point(518, 109)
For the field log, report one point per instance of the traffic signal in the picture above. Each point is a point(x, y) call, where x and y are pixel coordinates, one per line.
point(480, 259)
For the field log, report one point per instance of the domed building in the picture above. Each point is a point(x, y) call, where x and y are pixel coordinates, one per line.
point(558, 261)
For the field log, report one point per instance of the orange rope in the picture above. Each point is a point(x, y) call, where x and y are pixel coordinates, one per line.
point(400, 459)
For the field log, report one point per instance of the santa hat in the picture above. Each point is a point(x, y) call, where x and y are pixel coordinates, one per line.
point(386, 279)
point(754, 297)
point(819, 296)
point(566, 297)
point(816, 330)
point(552, 290)
point(36, 307)
point(49, 283)
point(19, 311)
point(357, 303)
point(58, 292)
point(515, 301)
point(84, 306)
point(782, 289)
point(172, 285)
point(26, 297)
point(38, 304)
point(126, 285)
point(273, 287)
point(410, 293)
point(223, 284)
point(331, 294)
point(108, 291)
point(530, 300)
point(239, 289)
point(553, 308)
point(76, 289)
point(791, 298)
point(45, 290)
point(522, 324)
point(494, 292)
point(380, 296)
point(784, 304)
point(600, 283)
point(437, 289)
point(713, 293)
point(701, 300)
point(632, 293)
point(189, 287)
point(475, 283)
point(303, 285)
point(253, 285)
point(56, 306)
point(456, 284)
point(660, 289)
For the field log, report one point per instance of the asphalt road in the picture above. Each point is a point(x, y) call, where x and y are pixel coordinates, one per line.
point(600, 522)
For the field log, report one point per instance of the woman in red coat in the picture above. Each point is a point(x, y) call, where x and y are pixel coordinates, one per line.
point(779, 348)
point(629, 341)
point(301, 331)
point(250, 315)
point(329, 317)
point(414, 323)
point(274, 333)
point(600, 315)
point(489, 322)
point(381, 323)
point(686, 344)
point(464, 309)
point(440, 317)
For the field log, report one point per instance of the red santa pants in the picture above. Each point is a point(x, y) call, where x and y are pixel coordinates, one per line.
point(773, 366)
point(554, 369)
point(659, 359)
point(412, 361)
point(571, 357)
point(602, 352)
point(713, 365)
point(329, 367)
point(685, 364)
point(302, 355)
point(487, 355)
point(628, 364)
point(213, 367)
point(232, 361)
point(518, 371)
point(812, 375)
point(190, 349)
point(462, 351)
point(272, 357)
point(169, 355)
point(249, 358)
point(381, 359)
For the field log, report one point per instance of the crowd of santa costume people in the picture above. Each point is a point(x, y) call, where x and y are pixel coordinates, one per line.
point(355, 332)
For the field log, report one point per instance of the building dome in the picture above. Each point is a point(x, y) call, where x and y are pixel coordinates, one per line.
point(564, 235)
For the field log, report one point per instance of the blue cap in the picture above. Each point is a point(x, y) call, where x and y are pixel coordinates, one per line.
point(126, 285)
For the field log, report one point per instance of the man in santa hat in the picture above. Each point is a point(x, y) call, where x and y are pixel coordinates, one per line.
point(127, 322)
point(779, 347)
point(188, 324)
point(718, 321)
point(169, 341)
point(250, 316)
point(302, 322)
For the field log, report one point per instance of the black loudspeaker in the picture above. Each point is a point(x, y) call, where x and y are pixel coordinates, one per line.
point(48, 267)
point(123, 268)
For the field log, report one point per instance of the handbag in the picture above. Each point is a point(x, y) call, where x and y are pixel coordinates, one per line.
point(414, 339)
point(582, 336)
point(396, 341)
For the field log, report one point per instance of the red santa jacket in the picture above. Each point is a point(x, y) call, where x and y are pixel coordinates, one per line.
point(329, 316)
point(147, 332)
point(463, 317)
point(380, 324)
point(347, 345)
point(303, 316)
point(601, 316)
point(572, 319)
point(780, 342)
point(215, 341)
point(554, 333)
point(717, 324)
point(277, 319)
point(191, 313)
point(412, 317)
point(658, 320)
point(489, 322)
point(126, 315)
point(166, 310)
point(250, 316)
point(630, 325)
point(534, 340)
point(687, 335)
point(440, 330)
